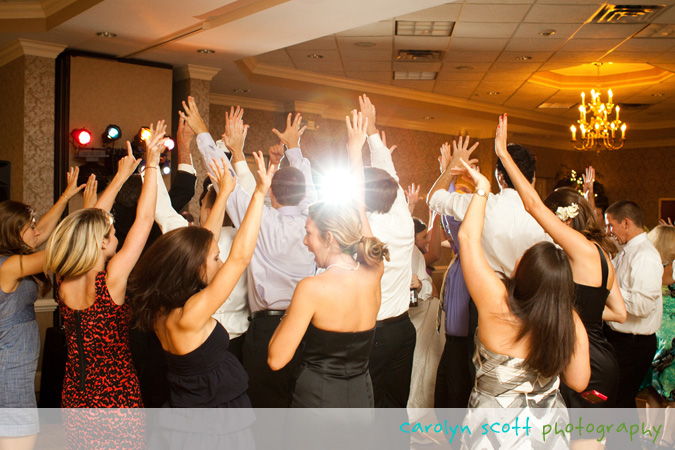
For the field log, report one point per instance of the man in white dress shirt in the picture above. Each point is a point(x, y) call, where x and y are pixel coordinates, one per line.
point(638, 271)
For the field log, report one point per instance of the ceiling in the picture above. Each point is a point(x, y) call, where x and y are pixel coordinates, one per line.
point(316, 55)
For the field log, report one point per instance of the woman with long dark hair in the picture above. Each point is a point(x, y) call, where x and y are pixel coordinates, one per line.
point(180, 282)
point(569, 219)
point(528, 332)
point(21, 268)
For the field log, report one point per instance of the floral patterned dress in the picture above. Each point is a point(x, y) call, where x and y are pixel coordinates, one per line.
point(662, 373)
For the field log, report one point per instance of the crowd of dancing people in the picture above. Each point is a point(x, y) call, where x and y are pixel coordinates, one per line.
point(273, 298)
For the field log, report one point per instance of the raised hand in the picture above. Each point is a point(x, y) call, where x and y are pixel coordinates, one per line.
point(413, 195)
point(478, 178)
point(235, 130)
point(192, 116)
point(155, 144)
point(356, 130)
point(383, 137)
point(291, 136)
point(588, 178)
point(463, 151)
point(89, 193)
point(184, 134)
point(222, 177)
point(71, 179)
point(669, 223)
point(264, 175)
point(368, 111)
point(446, 157)
point(276, 154)
point(127, 165)
point(500, 136)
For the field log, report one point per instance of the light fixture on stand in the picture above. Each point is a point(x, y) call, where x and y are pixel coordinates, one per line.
point(598, 131)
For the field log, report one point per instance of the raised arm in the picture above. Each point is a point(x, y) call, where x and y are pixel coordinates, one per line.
point(234, 138)
point(125, 167)
point(589, 178)
point(413, 195)
point(123, 262)
point(165, 215)
point(580, 251)
point(48, 222)
point(356, 134)
point(226, 183)
point(90, 193)
point(207, 147)
point(199, 308)
point(486, 289)
point(450, 158)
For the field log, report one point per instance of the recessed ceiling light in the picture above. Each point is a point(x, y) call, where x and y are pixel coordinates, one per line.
point(547, 33)
point(658, 94)
point(106, 34)
point(428, 117)
point(493, 93)
point(364, 44)
point(206, 51)
point(465, 68)
point(315, 56)
point(241, 91)
point(523, 58)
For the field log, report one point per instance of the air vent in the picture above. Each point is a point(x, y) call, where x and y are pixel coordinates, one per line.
point(550, 105)
point(423, 28)
point(399, 75)
point(627, 13)
point(419, 55)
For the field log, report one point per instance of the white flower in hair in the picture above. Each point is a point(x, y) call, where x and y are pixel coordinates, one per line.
point(567, 212)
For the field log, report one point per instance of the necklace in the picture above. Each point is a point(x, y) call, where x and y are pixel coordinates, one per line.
point(343, 267)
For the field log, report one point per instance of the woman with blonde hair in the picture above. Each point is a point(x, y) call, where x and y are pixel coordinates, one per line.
point(91, 293)
point(335, 311)
point(20, 275)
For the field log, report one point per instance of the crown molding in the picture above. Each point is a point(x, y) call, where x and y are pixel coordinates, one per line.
point(245, 102)
point(192, 71)
point(19, 10)
point(25, 47)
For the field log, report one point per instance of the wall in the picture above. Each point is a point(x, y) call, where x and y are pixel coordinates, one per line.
point(11, 127)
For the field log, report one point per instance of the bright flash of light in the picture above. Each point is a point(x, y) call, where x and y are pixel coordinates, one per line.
point(145, 134)
point(337, 186)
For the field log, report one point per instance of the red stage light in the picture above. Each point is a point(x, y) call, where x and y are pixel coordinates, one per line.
point(81, 136)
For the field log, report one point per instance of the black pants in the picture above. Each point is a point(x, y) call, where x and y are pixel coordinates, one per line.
point(635, 353)
point(456, 374)
point(267, 388)
point(391, 363)
point(237, 346)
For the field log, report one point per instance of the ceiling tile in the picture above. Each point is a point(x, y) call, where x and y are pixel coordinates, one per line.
point(518, 77)
point(590, 45)
point(534, 57)
point(366, 66)
point(383, 28)
point(495, 12)
point(535, 44)
point(484, 30)
point(416, 66)
point(667, 57)
point(632, 57)
point(647, 45)
point(462, 89)
point(421, 42)
point(421, 85)
point(469, 57)
point(442, 13)
point(466, 68)
point(667, 16)
point(357, 54)
point(460, 76)
point(379, 77)
point(516, 67)
point(477, 45)
point(348, 42)
point(608, 31)
point(532, 30)
point(565, 13)
point(576, 58)
point(324, 43)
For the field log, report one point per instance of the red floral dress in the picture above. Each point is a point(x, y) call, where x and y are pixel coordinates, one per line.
point(100, 374)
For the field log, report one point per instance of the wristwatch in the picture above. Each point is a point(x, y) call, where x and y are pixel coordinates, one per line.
point(481, 192)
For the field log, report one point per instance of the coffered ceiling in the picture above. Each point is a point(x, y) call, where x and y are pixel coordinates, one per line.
point(317, 55)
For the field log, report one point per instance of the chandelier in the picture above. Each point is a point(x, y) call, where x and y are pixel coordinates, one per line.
point(599, 131)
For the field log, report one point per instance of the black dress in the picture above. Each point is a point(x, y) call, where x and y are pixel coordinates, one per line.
point(209, 376)
point(334, 370)
point(590, 303)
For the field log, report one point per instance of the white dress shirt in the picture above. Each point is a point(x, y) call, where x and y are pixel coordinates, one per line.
point(508, 230)
point(396, 229)
point(233, 313)
point(280, 259)
point(638, 271)
point(419, 268)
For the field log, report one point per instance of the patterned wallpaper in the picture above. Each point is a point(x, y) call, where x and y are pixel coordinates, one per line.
point(39, 100)
point(11, 126)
